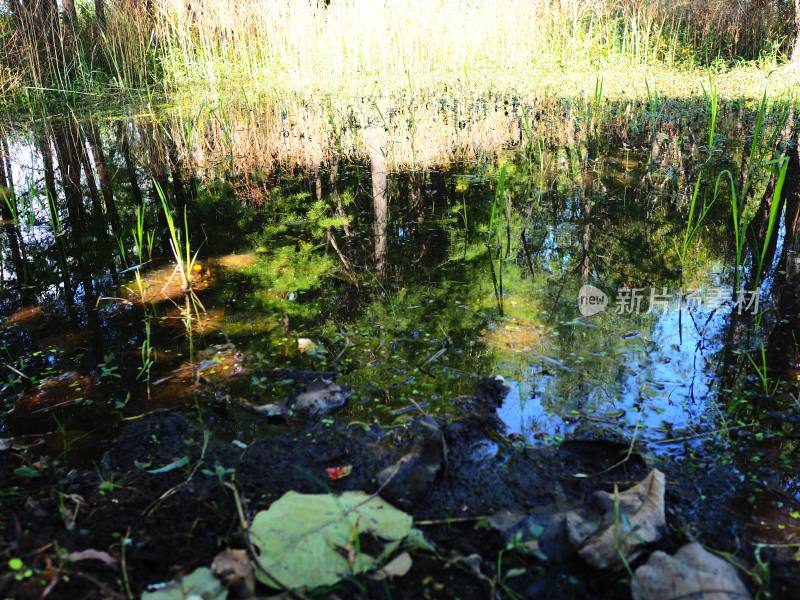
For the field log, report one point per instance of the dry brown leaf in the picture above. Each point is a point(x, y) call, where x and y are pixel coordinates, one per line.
point(628, 521)
point(692, 573)
point(235, 570)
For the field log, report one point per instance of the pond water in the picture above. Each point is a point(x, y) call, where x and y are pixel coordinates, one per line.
point(412, 282)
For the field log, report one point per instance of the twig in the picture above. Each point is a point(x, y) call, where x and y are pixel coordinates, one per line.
point(17, 371)
point(450, 520)
point(124, 565)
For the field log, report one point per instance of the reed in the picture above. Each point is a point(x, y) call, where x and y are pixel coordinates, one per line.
point(181, 246)
point(146, 355)
point(494, 239)
point(141, 46)
point(712, 102)
point(759, 364)
point(781, 166)
point(694, 222)
point(758, 165)
point(7, 196)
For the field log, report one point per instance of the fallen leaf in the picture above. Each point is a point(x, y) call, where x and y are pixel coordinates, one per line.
point(54, 392)
point(692, 573)
point(335, 473)
point(515, 573)
point(305, 540)
point(90, 554)
point(397, 567)
point(235, 570)
point(628, 521)
point(200, 584)
point(70, 515)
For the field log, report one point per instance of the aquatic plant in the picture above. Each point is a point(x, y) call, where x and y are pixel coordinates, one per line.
point(7, 197)
point(781, 165)
point(757, 166)
point(146, 354)
point(712, 106)
point(142, 238)
point(494, 239)
point(181, 246)
point(768, 385)
point(694, 222)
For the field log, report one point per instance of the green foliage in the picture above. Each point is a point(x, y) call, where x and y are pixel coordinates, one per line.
point(181, 246)
point(307, 541)
point(200, 584)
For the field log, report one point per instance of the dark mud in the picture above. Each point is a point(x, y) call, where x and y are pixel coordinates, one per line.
point(464, 470)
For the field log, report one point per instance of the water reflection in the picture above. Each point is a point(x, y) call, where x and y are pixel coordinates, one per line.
point(365, 241)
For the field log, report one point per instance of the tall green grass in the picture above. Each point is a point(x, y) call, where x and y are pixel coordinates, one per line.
point(180, 245)
point(761, 163)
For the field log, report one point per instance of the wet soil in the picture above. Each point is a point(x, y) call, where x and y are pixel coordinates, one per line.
point(161, 525)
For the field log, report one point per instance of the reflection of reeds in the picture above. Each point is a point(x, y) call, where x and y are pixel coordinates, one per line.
point(420, 132)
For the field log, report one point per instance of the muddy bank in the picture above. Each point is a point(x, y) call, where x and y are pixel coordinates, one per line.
point(157, 505)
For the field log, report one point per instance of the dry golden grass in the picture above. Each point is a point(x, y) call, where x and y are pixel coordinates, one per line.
point(370, 47)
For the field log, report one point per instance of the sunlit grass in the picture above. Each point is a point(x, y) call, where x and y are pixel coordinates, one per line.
point(367, 47)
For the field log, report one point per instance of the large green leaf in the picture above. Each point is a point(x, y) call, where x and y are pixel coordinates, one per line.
point(200, 584)
point(308, 540)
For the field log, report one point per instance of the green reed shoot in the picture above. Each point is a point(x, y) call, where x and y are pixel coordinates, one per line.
point(760, 365)
point(653, 100)
point(147, 354)
point(499, 196)
point(141, 237)
point(693, 222)
point(781, 167)
point(54, 218)
point(123, 253)
point(598, 92)
point(184, 266)
point(712, 102)
point(527, 132)
point(737, 218)
point(9, 202)
point(756, 163)
point(181, 248)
